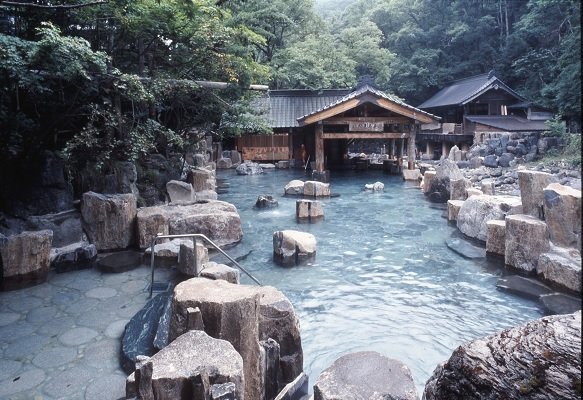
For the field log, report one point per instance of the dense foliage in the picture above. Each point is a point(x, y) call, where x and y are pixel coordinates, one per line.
point(115, 79)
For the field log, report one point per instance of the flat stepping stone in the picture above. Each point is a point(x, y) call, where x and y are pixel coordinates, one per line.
point(465, 249)
point(560, 303)
point(120, 262)
point(77, 336)
point(522, 286)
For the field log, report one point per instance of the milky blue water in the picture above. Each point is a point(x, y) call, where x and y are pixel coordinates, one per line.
point(383, 278)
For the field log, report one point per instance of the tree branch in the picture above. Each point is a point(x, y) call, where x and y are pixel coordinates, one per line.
point(55, 7)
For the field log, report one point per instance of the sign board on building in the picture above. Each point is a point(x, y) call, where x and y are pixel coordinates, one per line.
point(365, 126)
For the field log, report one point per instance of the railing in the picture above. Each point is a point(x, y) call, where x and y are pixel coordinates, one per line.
point(194, 236)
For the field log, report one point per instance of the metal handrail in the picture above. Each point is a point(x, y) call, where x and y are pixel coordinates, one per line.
point(194, 236)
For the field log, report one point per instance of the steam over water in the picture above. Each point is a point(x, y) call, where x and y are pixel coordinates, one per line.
point(383, 278)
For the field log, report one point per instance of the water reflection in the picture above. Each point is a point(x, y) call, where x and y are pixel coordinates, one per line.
point(383, 278)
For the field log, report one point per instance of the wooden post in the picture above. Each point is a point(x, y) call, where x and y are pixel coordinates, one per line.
point(319, 128)
point(444, 150)
point(411, 147)
point(401, 151)
point(290, 146)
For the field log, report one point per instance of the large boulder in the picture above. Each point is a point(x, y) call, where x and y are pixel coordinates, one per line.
point(109, 220)
point(293, 247)
point(66, 226)
point(25, 258)
point(478, 210)
point(539, 360)
point(526, 239)
point(562, 210)
point(295, 187)
point(562, 267)
point(245, 316)
point(249, 168)
point(189, 368)
point(218, 220)
point(224, 163)
point(73, 256)
point(365, 375)
point(266, 201)
point(180, 192)
point(532, 184)
point(446, 171)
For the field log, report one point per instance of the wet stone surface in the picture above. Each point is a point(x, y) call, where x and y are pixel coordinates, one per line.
point(62, 339)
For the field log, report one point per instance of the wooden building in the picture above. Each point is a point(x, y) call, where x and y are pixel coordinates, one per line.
point(325, 122)
point(475, 105)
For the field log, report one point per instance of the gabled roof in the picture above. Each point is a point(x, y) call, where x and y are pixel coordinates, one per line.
point(510, 123)
point(286, 106)
point(465, 90)
point(369, 90)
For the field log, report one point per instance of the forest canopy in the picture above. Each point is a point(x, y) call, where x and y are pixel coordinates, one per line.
point(115, 79)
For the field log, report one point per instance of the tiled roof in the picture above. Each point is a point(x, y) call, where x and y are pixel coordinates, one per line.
point(286, 107)
point(369, 89)
point(464, 90)
point(510, 123)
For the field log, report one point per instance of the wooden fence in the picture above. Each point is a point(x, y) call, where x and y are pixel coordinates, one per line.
point(264, 147)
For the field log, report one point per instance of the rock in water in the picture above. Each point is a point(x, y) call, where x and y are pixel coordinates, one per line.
point(439, 185)
point(539, 360)
point(365, 375)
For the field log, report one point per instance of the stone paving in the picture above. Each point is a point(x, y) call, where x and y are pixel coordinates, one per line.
point(62, 339)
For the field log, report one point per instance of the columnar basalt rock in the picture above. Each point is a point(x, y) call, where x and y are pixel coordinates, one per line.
point(202, 179)
point(427, 179)
point(496, 239)
point(365, 375)
point(539, 360)
point(526, 239)
point(109, 220)
point(473, 192)
point(224, 163)
point(478, 210)
point(188, 369)
point(531, 185)
point(309, 210)
point(562, 211)
point(218, 220)
point(191, 259)
point(293, 247)
point(316, 189)
point(245, 316)
point(230, 312)
point(25, 257)
point(561, 267)
point(411, 175)
point(453, 209)
point(488, 186)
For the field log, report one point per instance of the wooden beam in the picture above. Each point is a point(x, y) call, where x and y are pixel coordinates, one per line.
point(348, 120)
point(330, 112)
point(319, 147)
point(399, 109)
point(411, 147)
point(365, 135)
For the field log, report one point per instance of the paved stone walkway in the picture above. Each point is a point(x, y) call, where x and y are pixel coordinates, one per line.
point(62, 339)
